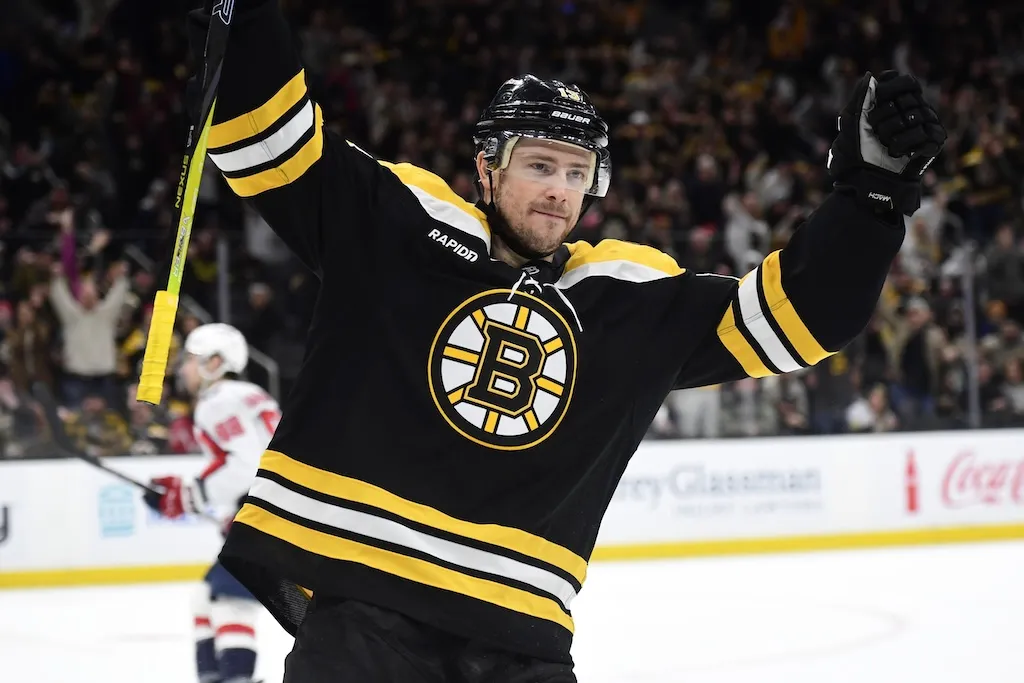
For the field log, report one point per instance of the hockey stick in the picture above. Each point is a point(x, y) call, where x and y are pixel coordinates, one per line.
point(67, 446)
point(165, 307)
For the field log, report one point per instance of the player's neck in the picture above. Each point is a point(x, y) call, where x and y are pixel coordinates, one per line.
point(207, 385)
point(503, 253)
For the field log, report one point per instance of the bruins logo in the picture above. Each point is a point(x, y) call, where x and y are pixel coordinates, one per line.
point(502, 370)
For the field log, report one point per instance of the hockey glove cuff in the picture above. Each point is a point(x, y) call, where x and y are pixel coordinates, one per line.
point(888, 136)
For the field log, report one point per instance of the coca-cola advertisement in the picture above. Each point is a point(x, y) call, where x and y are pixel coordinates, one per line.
point(966, 478)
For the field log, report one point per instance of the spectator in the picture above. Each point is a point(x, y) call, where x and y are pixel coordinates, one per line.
point(1005, 272)
point(915, 348)
point(262, 320)
point(98, 430)
point(832, 385)
point(872, 413)
point(697, 412)
point(89, 327)
point(28, 348)
point(721, 114)
point(1013, 388)
point(792, 406)
point(147, 427)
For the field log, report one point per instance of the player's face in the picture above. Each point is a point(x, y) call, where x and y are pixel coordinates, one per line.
point(190, 374)
point(540, 192)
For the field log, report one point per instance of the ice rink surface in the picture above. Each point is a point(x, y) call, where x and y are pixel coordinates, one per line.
point(944, 614)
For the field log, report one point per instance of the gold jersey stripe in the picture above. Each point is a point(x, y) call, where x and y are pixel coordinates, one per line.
point(397, 564)
point(785, 315)
point(734, 341)
point(260, 119)
point(531, 419)
point(361, 492)
point(436, 187)
point(491, 423)
point(582, 253)
point(289, 171)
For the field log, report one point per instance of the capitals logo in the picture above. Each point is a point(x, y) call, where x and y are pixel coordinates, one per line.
point(502, 369)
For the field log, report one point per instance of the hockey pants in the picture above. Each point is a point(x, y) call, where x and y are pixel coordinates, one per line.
point(345, 641)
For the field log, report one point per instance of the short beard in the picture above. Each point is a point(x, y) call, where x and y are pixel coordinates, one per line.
point(512, 239)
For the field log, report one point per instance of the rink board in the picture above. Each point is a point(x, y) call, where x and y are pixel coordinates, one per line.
point(64, 523)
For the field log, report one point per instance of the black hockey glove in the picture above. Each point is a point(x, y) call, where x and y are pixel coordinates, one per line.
point(888, 136)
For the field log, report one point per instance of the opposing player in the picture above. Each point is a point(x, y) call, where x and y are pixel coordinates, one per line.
point(234, 421)
point(473, 387)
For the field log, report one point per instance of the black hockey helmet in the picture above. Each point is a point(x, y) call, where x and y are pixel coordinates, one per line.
point(530, 107)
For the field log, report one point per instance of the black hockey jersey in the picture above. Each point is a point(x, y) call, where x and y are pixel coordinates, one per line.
point(459, 425)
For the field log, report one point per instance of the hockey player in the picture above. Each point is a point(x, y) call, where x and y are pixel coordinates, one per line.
point(473, 387)
point(234, 421)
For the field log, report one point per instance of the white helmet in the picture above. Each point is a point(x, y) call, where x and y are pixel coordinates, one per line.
point(219, 339)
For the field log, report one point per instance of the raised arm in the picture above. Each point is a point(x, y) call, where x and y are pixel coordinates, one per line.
point(810, 299)
point(802, 303)
point(268, 138)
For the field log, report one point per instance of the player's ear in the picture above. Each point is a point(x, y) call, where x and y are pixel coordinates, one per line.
point(214, 363)
point(484, 176)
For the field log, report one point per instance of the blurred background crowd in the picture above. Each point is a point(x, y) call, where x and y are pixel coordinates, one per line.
point(721, 112)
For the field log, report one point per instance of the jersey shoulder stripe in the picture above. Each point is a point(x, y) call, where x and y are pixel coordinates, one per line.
point(441, 202)
point(619, 260)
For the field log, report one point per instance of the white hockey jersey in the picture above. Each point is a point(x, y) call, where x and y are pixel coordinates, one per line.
point(234, 422)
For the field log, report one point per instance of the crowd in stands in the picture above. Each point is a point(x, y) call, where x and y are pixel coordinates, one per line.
point(721, 114)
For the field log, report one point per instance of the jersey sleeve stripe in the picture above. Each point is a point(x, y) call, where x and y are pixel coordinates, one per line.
point(288, 171)
point(220, 456)
point(268, 148)
point(396, 534)
point(357, 491)
point(736, 343)
point(754, 317)
point(404, 566)
point(257, 121)
point(275, 162)
point(785, 314)
point(770, 319)
point(441, 202)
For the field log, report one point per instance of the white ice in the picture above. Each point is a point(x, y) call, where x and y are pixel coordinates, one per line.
point(944, 614)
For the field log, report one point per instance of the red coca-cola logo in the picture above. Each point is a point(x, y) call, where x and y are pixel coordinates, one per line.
point(969, 481)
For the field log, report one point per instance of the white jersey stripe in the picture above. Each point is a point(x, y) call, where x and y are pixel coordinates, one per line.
point(755, 318)
point(621, 269)
point(392, 532)
point(269, 148)
point(450, 214)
